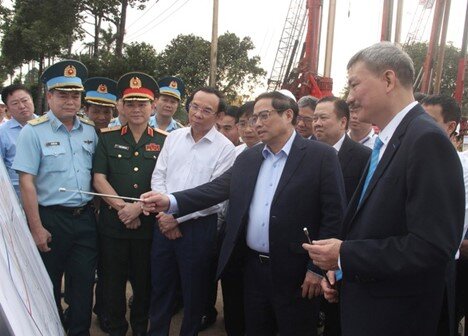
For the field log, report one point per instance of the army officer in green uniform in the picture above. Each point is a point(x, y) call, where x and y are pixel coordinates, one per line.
point(123, 164)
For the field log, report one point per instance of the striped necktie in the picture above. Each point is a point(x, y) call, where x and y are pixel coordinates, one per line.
point(373, 164)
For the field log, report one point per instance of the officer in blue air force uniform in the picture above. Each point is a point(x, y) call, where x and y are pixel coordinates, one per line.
point(171, 91)
point(124, 161)
point(56, 151)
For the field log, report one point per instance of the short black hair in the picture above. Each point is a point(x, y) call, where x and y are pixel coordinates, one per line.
point(340, 106)
point(450, 108)
point(281, 103)
point(208, 89)
point(10, 89)
point(246, 110)
point(419, 96)
point(233, 111)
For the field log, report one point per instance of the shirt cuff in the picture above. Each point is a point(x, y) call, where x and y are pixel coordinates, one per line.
point(173, 206)
point(339, 272)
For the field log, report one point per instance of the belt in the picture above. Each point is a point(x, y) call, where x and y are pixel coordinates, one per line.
point(264, 258)
point(74, 211)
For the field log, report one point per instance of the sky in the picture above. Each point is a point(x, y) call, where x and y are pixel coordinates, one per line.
point(357, 25)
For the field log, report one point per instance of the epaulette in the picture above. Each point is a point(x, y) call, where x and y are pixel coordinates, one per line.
point(86, 121)
point(160, 131)
point(40, 120)
point(110, 129)
point(179, 124)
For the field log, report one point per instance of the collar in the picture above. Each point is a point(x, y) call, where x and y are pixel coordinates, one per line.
point(13, 123)
point(56, 123)
point(286, 148)
point(338, 145)
point(386, 134)
point(210, 136)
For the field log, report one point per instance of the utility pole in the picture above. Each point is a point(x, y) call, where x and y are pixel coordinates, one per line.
point(214, 45)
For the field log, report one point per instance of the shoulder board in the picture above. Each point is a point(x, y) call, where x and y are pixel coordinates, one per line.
point(40, 120)
point(110, 129)
point(179, 124)
point(160, 131)
point(86, 121)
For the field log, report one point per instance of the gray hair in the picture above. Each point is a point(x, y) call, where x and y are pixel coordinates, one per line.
point(386, 56)
point(307, 101)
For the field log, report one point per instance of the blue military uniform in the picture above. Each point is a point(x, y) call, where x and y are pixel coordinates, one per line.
point(59, 157)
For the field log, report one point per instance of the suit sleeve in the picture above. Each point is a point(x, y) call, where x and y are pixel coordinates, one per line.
point(205, 195)
point(433, 211)
point(332, 200)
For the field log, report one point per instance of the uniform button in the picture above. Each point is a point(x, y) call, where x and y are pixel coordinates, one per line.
point(136, 153)
point(135, 186)
point(77, 170)
point(263, 224)
point(135, 169)
point(119, 156)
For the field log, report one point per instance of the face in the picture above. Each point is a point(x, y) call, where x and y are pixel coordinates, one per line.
point(166, 106)
point(367, 93)
point(271, 126)
point(358, 126)
point(247, 132)
point(227, 126)
point(137, 112)
point(435, 111)
point(100, 115)
point(202, 112)
point(328, 127)
point(304, 125)
point(64, 104)
point(21, 106)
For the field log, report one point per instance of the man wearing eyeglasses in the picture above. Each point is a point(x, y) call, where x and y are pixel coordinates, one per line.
point(304, 119)
point(185, 244)
point(20, 104)
point(274, 192)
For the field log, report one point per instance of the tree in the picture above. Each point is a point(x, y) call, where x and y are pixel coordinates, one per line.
point(417, 52)
point(30, 34)
point(187, 56)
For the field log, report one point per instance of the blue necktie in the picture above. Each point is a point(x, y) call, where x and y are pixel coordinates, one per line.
point(373, 164)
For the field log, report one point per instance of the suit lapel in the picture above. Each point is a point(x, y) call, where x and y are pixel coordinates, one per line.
point(292, 163)
point(392, 147)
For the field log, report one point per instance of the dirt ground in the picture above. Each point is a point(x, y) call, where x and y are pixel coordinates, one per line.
point(216, 329)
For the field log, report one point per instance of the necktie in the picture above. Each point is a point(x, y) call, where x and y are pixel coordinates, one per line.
point(373, 164)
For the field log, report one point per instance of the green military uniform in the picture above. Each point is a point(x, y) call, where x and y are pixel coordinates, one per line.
point(128, 167)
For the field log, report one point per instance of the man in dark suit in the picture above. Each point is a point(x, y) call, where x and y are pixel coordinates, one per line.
point(274, 192)
point(330, 120)
point(405, 220)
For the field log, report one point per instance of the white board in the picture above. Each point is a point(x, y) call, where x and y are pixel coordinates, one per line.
point(26, 296)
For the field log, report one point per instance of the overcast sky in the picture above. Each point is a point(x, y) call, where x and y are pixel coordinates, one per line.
point(358, 24)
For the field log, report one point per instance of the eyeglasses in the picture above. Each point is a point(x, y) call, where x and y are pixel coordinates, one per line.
point(305, 120)
point(205, 111)
point(262, 115)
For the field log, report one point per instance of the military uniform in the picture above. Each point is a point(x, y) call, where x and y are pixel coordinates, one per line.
point(59, 157)
point(127, 166)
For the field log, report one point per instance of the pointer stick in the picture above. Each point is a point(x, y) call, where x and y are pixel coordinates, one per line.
point(102, 195)
point(306, 232)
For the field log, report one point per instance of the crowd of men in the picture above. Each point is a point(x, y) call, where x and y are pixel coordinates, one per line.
point(346, 214)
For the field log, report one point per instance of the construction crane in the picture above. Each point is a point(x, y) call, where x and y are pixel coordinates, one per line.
point(302, 79)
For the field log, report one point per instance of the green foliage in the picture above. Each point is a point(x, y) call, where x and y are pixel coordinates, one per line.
point(417, 52)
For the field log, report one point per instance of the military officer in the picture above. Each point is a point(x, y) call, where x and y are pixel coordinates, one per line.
point(100, 100)
point(171, 91)
point(55, 151)
point(124, 161)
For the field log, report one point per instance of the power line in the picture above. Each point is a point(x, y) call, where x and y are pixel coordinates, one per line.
point(145, 27)
point(144, 13)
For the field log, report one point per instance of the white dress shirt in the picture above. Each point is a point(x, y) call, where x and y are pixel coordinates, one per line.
point(265, 187)
point(338, 145)
point(184, 164)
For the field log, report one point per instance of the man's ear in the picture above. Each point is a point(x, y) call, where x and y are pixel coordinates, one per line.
point(390, 79)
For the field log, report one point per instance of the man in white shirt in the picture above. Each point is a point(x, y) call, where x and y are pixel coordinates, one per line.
point(190, 156)
point(360, 131)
